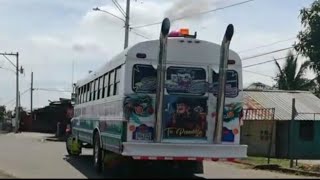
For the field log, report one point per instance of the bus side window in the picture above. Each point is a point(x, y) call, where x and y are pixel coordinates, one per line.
point(117, 81)
point(100, 87)
point(105, 86)
point(96, 87)
point(111, 83)
point(88, 92)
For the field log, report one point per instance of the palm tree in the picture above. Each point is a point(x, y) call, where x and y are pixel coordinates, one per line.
point(291, 77)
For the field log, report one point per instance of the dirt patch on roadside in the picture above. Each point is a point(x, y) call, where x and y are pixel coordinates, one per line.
point(4, 175)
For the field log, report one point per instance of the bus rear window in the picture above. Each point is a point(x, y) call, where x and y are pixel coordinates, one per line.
point(232, 84)
point(186, 80)
point(144, 79)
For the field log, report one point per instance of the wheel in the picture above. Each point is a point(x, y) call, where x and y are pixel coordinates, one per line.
point(73, 146)
point(97, 154)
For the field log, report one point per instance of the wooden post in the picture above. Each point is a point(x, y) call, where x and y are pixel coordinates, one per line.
point(271, 138)
point(290, 132)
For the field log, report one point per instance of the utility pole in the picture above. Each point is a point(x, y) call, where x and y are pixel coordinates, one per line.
point(126, 37)
point(17, 94)
point(31, 96)
point(290, 135)
point(17, 85)
point(126, 21)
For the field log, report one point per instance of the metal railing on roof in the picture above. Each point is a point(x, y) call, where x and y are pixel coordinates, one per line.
point(259, 114)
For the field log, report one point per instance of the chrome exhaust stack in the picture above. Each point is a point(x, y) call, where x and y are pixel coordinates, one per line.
point(161, 71)
point(224, 56)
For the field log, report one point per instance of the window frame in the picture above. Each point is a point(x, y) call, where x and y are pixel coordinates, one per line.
point(191, 67)
point(229, 70)
point(133, 79)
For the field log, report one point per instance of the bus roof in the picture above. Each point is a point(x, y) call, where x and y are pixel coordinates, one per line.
point(179, 51)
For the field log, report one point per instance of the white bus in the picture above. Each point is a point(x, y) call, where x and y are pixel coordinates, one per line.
point(115, 108)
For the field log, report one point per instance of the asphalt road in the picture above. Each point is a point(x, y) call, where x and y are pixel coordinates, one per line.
point(28, 155)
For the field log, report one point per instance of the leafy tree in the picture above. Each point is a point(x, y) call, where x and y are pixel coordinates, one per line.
point(2, 112)
point(309, 37)
point(291, 77)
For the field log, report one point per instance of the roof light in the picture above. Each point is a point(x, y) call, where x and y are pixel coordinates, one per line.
point(184, 32)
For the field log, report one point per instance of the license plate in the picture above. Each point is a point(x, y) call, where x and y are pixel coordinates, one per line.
point(143, 136)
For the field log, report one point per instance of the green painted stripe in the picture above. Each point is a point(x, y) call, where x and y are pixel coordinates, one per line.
point(83, 130)
point(117, 136)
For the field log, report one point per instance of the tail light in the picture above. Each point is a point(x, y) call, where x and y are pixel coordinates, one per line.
point(68, 129)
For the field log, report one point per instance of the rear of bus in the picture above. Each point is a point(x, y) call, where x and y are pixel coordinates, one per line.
point(189, 105)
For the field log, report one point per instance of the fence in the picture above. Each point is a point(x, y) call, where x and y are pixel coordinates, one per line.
point(259, 114)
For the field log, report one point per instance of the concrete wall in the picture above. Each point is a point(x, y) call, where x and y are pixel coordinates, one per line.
point(257, 135)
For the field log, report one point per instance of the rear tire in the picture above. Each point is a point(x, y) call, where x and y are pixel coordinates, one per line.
point(69, 140)
point(97, 154)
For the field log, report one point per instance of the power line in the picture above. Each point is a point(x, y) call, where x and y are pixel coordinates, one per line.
point(258, 73)
point(8, 69)
point(266, 45)
point(9, 60)
point(54, 90)
point(115, 2)
point(195, 14)
point(263, 54)
point(140, 35)
point(264, 62)
point(25, 91)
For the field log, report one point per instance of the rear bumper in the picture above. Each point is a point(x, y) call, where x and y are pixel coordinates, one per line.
point(169, 151)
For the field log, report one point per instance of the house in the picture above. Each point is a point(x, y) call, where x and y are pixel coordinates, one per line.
point(267, 115)
point(45, 119)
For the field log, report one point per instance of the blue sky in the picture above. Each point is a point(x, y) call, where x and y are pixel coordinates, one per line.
point(48, 34)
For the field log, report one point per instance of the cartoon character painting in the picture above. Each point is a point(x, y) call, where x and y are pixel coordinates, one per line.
point(231, 121)
point(137, 106)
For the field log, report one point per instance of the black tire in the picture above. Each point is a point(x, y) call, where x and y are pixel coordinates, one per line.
point(97, 154)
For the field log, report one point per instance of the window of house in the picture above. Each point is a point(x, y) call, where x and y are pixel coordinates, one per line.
point(117, 81)
point(111, 83)
point(186, 80)
point(232, 83)
point(264, 135)
point(306, 130)
point(105, 86)
point(100, 87)
point(144, 79)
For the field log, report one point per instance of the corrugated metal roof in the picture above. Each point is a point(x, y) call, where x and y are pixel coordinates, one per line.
point(307, 104)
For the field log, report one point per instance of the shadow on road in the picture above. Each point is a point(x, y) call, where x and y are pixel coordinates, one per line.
point(84, 164)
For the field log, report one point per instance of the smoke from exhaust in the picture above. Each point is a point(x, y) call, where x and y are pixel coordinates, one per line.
point(183, 8)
